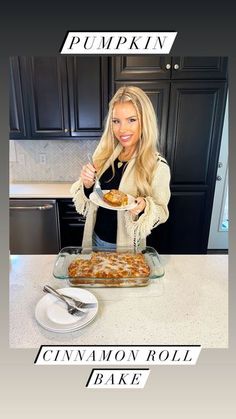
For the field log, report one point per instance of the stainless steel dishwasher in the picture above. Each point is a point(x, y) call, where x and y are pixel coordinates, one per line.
point(34, 226)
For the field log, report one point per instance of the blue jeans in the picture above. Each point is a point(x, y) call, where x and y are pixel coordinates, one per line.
point(101, 243)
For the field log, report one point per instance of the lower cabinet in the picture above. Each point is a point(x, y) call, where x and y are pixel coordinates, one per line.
point(186, 230)
point(71, 223)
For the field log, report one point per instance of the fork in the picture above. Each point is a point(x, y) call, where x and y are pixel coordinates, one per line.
point(97, 184)
point(71, 309)
point(78, 303)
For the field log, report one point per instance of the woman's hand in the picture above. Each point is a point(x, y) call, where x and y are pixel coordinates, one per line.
point(141, 204)
point(88, 175)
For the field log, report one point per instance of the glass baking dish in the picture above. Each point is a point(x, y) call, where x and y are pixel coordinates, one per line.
point(69, 254)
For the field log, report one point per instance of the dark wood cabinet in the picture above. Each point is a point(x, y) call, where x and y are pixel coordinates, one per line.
point(141, 67)
point(88, 95)
point(199, 68)
point(71, 223)
point(154, 67)
point(184, 231)
point(47, 96)
point(64, 97)
point(194, 130)
point(17, 117)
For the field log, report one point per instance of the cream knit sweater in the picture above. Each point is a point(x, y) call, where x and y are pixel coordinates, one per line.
point(131, 232)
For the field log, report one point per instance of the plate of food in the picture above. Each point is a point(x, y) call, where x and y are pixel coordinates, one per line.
point(114, 199)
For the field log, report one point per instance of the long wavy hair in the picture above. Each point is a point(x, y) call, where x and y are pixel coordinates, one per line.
point(147, 146)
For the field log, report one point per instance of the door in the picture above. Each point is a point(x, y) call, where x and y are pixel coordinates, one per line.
point(218, 238)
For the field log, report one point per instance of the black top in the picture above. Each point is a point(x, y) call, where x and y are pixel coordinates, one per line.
point(106, 221)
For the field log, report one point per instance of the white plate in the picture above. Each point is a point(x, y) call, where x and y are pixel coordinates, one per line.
point(95, 198)
point(52, 313)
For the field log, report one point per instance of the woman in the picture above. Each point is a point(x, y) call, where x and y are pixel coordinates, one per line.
point(126, 158)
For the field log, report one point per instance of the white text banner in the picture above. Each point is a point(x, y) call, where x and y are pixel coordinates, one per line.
point(118, 43)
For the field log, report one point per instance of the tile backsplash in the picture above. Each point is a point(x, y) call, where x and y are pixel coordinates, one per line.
point(48, 160)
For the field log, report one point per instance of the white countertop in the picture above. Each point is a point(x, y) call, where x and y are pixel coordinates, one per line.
point(189, 305)
point(40, 190)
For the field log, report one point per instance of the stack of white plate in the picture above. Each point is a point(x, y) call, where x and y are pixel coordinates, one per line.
point(52, 313)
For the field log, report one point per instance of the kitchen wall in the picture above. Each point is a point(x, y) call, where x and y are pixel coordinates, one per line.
point(48, 160)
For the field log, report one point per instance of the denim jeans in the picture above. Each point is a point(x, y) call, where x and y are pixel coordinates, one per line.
point(101, 243)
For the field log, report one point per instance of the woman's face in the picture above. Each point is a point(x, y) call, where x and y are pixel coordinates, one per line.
point(126, 126)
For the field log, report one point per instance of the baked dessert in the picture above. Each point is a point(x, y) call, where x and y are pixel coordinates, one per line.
point(116, 198)
point(114, 268)
point(80, 268)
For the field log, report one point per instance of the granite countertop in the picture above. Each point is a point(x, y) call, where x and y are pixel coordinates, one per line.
point(40, 190)
point(189, 305)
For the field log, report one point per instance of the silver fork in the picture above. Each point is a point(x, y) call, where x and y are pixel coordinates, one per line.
point(71, 308)
point(97, 184)
point(78, 303)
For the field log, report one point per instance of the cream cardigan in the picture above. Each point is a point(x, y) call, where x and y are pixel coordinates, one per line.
point(131, 232)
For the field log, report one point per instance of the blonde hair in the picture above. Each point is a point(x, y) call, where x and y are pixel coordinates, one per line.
point(146, 156)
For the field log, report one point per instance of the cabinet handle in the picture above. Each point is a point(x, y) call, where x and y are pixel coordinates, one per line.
point(176, 66)
point(218, 178)
point(220, 164)
point(66, 130)
point(168, 66)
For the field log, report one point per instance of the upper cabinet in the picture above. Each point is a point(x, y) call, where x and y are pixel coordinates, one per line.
point(198, 68)
point(88, 95)
point(67, 97)
point(18, 121)
point(146, 67)
point(61, 97)
point(141, 67)
point(46, 85)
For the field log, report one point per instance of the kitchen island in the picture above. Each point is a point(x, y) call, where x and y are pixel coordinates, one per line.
point(189, 305)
